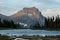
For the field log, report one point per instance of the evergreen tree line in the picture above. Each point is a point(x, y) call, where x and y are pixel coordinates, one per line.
point(9, 24)
point(50, 23)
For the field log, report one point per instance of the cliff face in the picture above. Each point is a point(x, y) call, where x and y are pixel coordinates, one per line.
point(29, 11)
point(29, 16)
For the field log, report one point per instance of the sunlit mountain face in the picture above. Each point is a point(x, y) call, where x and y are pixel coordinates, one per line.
point(29, 12)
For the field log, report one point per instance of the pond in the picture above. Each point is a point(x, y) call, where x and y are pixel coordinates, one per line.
point(30, 32)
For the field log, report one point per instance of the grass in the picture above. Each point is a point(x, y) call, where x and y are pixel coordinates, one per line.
point(53, 29)
point(4, 37)
point(3, 28)
point(34, 37)
point(37, 37)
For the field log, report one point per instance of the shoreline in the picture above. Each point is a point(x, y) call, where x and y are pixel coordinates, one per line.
point(30, 29)
point(34, 37)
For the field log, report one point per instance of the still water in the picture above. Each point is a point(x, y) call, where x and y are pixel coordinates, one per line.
point(29, 32)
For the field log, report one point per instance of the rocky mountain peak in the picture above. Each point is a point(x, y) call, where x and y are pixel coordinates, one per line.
point(29, 11)
point(31, 8)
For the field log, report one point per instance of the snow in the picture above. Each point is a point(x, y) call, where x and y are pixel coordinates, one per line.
point(23, 24)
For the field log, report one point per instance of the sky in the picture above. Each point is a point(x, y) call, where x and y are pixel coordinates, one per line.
point(47, 7)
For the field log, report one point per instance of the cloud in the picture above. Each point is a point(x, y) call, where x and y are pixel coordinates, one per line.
point(1, 3)
point(57, 1)
point(52, 12)
point(16, 5)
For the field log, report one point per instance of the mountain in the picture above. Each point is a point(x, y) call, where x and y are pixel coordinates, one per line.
point(3, 17)
point(29, 16)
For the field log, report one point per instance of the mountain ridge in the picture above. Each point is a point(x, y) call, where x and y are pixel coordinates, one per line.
point(28, 16)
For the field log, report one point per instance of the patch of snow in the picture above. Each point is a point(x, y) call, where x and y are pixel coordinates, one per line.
point(20, 39)
point(23, 24)
point(29, 14)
